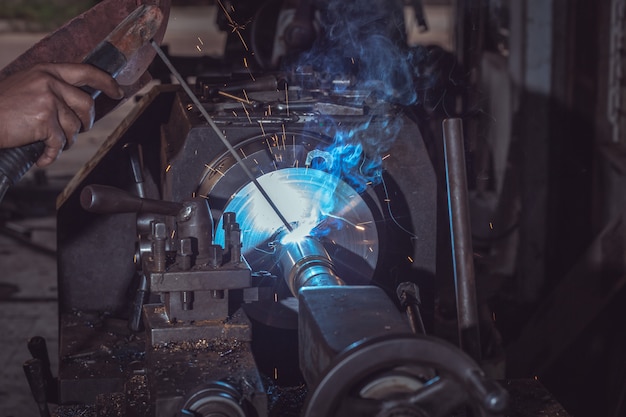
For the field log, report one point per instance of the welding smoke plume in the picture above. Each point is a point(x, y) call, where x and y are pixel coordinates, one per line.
point(366, 40)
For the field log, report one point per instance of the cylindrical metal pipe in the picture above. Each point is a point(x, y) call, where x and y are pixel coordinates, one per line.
point(305, 263)
point(461, 236)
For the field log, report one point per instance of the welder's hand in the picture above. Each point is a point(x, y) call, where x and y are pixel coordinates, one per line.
point(45, 103)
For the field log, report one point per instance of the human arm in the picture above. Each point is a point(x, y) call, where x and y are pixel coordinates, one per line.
point(45, 103)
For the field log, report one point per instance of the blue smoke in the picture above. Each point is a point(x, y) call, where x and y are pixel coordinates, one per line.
point(363, 40)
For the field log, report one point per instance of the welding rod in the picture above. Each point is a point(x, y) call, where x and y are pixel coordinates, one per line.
point(460, 232)
point(110, 55)
point(218, 132)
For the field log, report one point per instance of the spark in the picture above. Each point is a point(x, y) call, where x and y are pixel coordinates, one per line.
point(352, 59)
point(242, 152)
point(172, 234)
point(274, 141)
point(371, 249)
point(246, 110)
point(275, 297)
point(234, 113)
point(491, 225)
point(386, 156)
point(234, 25)
point(214, 169)
point(410, 259)
point(356, 226)
point(246, 96)
point(168, 168)
point(287, 99)
point(275, 373)
point(387, 200)
point(198, 48)
point(225, 94)
point(493, 316)
point(206, 197)
point(200, 40)
point(284, 138)
point(269, 109)
point(364, 223)
point(256, 162)
point(245, 63)
point(262, 129)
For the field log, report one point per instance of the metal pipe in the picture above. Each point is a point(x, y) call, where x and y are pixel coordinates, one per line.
point(305, 263)
point(460, 232)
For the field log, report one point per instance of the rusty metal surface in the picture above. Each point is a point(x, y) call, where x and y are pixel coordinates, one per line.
point(76, 38)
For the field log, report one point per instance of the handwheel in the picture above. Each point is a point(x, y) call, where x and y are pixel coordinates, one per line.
point(409, 376)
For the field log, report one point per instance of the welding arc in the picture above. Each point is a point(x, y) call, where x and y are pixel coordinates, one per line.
point(218, 132)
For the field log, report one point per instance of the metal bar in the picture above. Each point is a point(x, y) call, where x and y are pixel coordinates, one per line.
point(460, 233)
point(218, 132)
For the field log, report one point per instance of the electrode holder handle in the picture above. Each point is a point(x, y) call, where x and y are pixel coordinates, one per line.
point(104, 199)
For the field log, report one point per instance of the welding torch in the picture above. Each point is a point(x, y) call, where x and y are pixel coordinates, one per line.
point(110, 55)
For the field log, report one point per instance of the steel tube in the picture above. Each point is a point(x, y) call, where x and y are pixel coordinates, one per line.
point(461, 237)
point(305, 263)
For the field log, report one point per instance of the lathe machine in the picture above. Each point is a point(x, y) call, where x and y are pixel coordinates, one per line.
point(184, 292)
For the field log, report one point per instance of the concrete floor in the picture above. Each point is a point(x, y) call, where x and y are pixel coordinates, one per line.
point(28, 288)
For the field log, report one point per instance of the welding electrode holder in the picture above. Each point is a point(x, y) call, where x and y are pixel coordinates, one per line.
point(15, 162)
point(110, 55)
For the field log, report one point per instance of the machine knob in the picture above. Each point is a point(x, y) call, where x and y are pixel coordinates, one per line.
point(104, 199)
point(217, 399)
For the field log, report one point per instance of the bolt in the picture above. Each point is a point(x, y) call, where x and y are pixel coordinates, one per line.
point(185, 214)
point(184, 254)
point(186, 299)
point(159, 234)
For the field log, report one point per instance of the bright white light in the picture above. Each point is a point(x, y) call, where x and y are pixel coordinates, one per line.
point(314, 202)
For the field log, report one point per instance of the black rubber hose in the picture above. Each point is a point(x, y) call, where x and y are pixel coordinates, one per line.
point(15, 162)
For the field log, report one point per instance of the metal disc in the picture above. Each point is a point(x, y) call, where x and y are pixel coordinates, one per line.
point(315, 203)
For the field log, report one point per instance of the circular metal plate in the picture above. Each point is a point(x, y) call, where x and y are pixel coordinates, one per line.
point(314, 203)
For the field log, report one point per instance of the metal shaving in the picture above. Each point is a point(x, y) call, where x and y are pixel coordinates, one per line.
point(222, 346)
